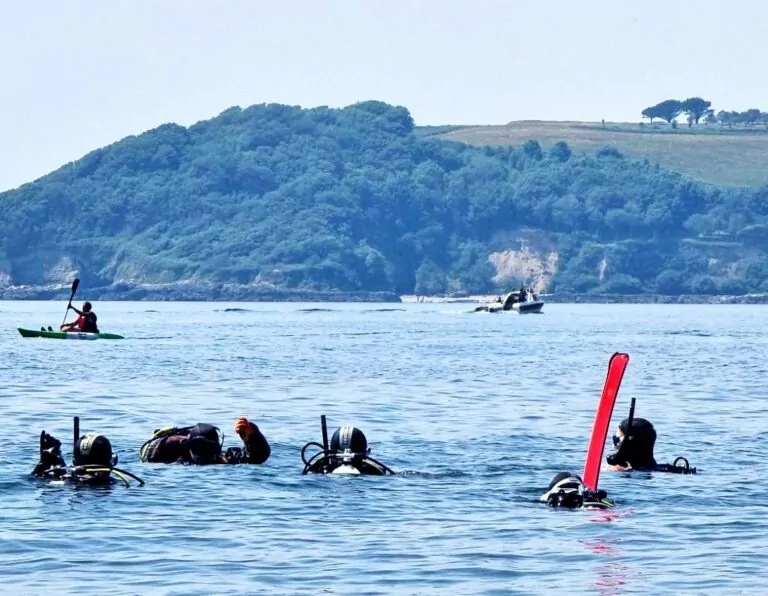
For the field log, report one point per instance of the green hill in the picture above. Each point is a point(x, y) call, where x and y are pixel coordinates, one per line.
point(724, 156)
point(275, 198)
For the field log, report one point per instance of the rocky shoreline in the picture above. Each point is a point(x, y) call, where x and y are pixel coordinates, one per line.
point(223, 292)
point(191, 292)
point(607, 299)
point(661, 299)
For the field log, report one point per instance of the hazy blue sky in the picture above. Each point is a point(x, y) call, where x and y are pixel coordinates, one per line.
point(78, 75)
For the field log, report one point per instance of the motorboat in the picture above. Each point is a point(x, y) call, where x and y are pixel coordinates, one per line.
point(523, 301)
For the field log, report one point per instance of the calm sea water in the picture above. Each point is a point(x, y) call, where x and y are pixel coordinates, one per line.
point(477, 411)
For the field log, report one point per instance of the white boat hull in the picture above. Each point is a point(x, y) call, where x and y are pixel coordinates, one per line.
point(530, 307)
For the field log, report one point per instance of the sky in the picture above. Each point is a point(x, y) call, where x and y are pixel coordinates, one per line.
point(76, 75)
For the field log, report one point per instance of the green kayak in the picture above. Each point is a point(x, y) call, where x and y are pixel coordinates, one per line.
point(67, 334)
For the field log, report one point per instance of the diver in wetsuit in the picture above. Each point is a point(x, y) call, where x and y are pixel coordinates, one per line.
point(202, 444)
point(634, 449)
point(93, 462)
point(567, 490)
point(348, 454)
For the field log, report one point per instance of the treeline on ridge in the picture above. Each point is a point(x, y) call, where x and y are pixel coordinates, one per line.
point(697, 109)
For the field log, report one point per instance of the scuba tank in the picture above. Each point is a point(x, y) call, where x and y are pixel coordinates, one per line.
point(197, 444)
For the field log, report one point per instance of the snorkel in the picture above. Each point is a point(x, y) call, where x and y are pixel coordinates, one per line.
point(75, 432)
point(324, 430)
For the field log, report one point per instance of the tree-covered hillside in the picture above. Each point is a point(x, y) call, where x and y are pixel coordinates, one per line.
point(352, 199)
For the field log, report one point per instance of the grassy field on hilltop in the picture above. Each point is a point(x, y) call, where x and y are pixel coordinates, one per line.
point(730, 157)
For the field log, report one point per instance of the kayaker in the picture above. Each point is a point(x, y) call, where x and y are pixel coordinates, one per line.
point(348, 454)
point(567, 490)
point(93, 462)
point(201, 444)
point(86, 320)
point(633, 443)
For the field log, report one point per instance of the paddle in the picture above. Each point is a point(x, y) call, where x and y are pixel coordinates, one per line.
point(75, 285)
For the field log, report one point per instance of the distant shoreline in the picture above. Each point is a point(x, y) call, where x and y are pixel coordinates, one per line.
point(213, 292)
point(191, 292)
point(602, 299)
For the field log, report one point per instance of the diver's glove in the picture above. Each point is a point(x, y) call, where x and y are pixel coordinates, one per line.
point(50, 454)
point(245, 429)
point(257, 449)
point(596, 498)
point(49, 442)
point(594, 495)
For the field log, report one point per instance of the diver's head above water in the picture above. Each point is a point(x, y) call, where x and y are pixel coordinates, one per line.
point(346, 453)
point(634, 445)
point(564, 490)
point(349, 440)
point(93, 450)
point(93, 455)
point(567, 490)
point(204, 444)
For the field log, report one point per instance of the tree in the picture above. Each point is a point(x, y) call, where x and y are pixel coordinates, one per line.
point(532, 149)
point(756, 270)
point(620, 221)
point(650, 113)
point(733, 287)
point(670, 282)
point(575, 282)
point(560, 151)
point(703, 284)
point(668, 109)
point(751, 116)
point(609, 152)
point(700, 224)
point(725, 118)
point(621, 284)
point(430, 279)
point(695, 107)
point(754, 235)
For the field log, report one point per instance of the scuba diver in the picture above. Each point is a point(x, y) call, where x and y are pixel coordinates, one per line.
point(567, 490)
point(572, 491)
point(202, 444)
point(633, 444)
point(93, 462)
point(348, 453)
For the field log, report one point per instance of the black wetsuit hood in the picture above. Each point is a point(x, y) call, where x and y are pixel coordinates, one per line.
point(635, 450)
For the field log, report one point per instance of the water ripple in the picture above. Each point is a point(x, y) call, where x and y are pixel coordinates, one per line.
point(476, 413)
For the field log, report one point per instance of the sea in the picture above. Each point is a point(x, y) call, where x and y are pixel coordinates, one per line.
point(474, 411)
